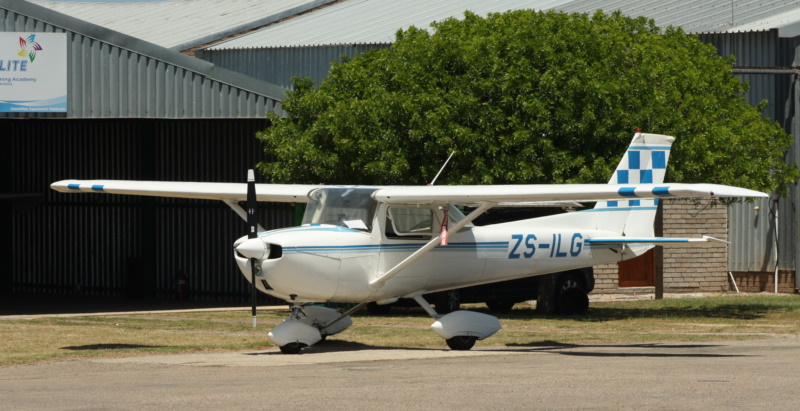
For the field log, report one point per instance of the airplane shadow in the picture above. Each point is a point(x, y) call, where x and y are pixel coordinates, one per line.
point(659, 350)
point(343, 345)
point(622, 350)
point(90, 347)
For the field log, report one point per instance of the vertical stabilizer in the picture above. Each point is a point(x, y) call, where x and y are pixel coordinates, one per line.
point(645, 162)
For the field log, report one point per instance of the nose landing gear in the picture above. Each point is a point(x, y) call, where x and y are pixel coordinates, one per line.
point(308, 325)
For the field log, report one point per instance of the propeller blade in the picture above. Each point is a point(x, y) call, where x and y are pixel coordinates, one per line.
point(252, 218)
point(252, 222)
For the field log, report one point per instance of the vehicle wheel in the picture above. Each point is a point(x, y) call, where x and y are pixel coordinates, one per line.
point(377, 309)
point(502, 306)
point(461, 343)
point(571, 296)
point(447, 301)
point(291, 348)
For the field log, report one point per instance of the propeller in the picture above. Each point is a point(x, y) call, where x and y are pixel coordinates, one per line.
point(252, 223)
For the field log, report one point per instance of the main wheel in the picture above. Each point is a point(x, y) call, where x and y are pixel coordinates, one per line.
point(292, 348)
point(502, 306)
point(571, 297)
point(376, 309)
point(447, 301)
point(461, 343)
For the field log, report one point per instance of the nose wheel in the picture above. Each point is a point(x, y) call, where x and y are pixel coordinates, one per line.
point(292, 348)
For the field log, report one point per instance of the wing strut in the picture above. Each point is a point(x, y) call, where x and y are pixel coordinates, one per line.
point(378, 282)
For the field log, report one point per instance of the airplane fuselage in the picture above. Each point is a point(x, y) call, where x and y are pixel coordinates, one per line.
point(329, 263)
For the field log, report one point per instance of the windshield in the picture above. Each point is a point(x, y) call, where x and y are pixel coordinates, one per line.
point(350, 207)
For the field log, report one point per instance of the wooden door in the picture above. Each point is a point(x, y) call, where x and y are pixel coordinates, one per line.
point(638, 272)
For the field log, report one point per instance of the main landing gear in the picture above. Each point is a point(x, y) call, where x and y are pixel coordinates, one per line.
point(460, 329)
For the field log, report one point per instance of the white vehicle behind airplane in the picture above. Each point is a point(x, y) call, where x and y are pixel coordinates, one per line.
point(363, 244)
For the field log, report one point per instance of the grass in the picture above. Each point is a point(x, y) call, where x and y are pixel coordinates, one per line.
point(696, 319)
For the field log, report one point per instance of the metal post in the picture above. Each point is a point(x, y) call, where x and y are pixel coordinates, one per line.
point(777, 255)
point(659, 252)
point(796, 190)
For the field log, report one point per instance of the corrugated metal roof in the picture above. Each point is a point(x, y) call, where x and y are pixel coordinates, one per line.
point(112, 75)
point(370, 21)
point(787, 24)
point(182, 24)
point(278, 65)
point(377, 21)
point(694, 16)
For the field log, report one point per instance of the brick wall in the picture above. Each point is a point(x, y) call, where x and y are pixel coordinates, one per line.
point(695, 269)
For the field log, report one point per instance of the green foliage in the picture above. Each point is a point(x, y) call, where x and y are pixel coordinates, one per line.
point(525, 97)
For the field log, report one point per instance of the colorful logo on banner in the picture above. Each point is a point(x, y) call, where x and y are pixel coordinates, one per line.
point(33, 72)
point(29, 47)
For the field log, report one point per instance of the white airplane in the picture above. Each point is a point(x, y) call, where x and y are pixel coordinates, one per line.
point(363, 244)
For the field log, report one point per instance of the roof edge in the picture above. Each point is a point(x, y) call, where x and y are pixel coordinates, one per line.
point(293, 46)
point(221, 36)
point(140, 46)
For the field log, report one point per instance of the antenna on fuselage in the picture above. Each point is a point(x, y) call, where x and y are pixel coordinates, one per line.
point(443, 166)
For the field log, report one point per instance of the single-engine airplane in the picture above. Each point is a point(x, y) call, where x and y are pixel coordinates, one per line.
point(363, 244)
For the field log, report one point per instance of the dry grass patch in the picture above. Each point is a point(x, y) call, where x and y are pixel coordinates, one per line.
point(700, 319)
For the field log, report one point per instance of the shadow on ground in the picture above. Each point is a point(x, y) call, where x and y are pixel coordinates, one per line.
point(91, 347)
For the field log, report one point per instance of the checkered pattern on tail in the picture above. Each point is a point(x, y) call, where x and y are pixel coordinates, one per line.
point(645, 162)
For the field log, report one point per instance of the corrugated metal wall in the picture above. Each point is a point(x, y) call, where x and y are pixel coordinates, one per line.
point(752, 226)
point(109, 81)
point(279, 65)
point(125, 245)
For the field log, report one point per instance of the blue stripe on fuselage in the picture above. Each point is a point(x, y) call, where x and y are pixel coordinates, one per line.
point(488, 246)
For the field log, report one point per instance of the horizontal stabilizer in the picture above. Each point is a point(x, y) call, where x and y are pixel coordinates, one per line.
point(673, 242)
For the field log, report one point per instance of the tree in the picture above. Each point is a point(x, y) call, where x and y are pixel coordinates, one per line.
point(525, 97)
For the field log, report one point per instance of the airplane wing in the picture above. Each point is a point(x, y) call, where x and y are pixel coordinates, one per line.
point(290, 193)
point(470, 194)
point(553, 192)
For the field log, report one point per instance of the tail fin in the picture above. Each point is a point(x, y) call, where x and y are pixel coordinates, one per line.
point(645, 162)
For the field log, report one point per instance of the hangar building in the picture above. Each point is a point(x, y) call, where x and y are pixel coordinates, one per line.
point(135, 111)
point(139, 109)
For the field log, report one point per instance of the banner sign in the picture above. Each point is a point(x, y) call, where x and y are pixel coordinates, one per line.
point(33, 72)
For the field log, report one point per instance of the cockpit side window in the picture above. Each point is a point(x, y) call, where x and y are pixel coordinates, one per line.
point(409, 222)
point(351, 207)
